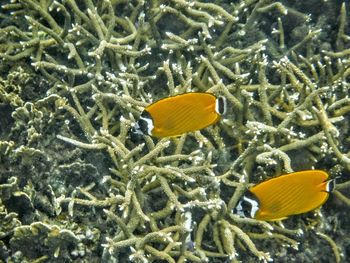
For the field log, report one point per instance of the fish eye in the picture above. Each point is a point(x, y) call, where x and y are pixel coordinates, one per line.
point(246, 207)
point(136, 128)
point(241, 209)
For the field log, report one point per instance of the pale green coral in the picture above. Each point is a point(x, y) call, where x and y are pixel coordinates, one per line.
point(113, 196)
point(52, 240)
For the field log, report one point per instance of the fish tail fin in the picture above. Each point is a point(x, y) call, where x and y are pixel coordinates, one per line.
point(329, 185)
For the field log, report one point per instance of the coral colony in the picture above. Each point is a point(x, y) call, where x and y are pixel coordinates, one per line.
point(76, 185)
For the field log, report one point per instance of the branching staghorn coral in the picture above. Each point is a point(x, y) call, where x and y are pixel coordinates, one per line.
point(171, 200)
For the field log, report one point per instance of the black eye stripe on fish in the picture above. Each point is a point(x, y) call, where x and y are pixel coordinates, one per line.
point(145, 123)
point(247, 206)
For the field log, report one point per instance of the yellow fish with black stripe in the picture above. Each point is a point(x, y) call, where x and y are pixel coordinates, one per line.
point(286, 195)
point(175, 115)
